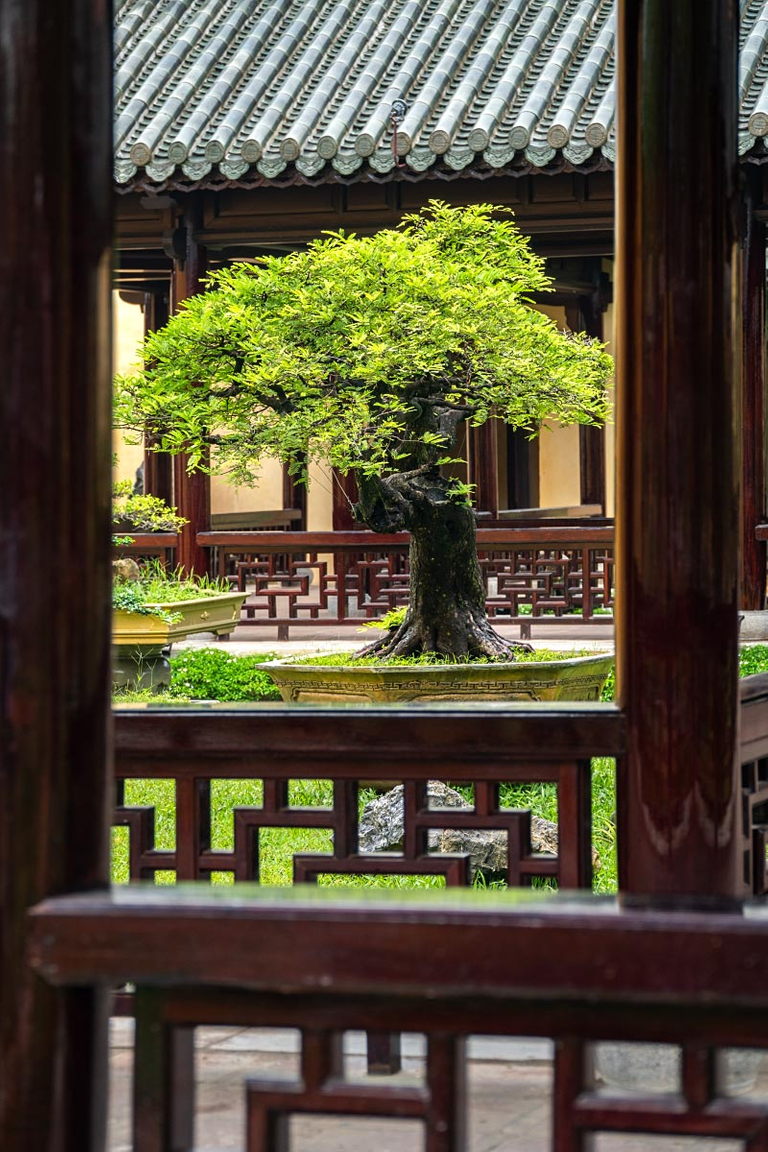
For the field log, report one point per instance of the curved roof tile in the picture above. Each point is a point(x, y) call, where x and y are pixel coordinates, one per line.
point(229, 88)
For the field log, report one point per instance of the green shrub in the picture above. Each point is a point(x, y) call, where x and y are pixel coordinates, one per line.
point(609, 688)
point(753, 659)
point(143, 513)
point(213, 674)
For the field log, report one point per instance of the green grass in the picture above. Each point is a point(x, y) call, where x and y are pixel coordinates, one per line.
point(279, 845)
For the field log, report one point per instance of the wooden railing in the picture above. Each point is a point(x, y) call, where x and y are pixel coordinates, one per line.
point(153, 545)
point(576, 972)
point(276, 744)
point(754, 781)
point(325, 966)
point(510, 744)
point(559, 574)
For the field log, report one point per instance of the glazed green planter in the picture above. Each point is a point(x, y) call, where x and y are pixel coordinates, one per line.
point(140, 644)
point(580, 678)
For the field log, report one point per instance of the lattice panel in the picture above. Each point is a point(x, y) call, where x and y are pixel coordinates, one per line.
point(548, 581)
point(347, 586)
point(323, 1090)
point(295, 588)
point(700, 1109)
point(754, 796)
point(195, 857)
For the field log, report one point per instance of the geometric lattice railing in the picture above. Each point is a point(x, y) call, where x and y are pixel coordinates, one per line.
point(754, 781)
point(332, 578)
point(517, 744)
point(274, 745)
point(576, 972)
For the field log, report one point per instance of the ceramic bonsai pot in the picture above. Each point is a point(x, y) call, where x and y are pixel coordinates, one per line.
point(579, 678)
point(141, 644)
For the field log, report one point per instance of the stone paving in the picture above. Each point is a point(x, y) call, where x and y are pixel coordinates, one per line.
point(509, 1109)
point(254, 641)
point(509, 1100)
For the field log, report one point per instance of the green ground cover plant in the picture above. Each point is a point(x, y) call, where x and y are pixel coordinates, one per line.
point(753, 659)
point(214, 674)
point(209, 674)
point(339, 659)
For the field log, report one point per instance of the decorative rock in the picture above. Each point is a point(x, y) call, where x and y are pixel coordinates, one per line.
point(125, 568)
point(381, 824)
point(381, 830)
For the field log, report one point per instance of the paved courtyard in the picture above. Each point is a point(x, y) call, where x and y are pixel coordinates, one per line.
point(509, 1099)
point(246, 640)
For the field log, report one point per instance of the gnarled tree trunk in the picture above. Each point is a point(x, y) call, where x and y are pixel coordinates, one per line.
point(446, 612)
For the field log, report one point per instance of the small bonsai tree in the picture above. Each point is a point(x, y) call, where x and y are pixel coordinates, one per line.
point(139, 513)
point(369, 353)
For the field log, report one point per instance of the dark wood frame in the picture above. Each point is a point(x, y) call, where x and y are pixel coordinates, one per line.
point(692, 970)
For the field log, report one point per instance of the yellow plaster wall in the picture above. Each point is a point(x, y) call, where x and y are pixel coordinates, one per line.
point(320, 499)
point(128, 332)
point(266, 493)
point(558, 450)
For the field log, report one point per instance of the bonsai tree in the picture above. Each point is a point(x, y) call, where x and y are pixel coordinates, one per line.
point(369, 353)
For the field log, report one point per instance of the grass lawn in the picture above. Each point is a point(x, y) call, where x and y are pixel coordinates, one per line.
point(278, 845)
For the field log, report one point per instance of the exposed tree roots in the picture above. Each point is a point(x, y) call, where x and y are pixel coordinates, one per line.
point(469, 637)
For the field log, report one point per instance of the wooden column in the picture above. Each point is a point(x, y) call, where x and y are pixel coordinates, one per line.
point(344, 493)
point(158, 466)
point(192, 491)
point(678, 507)
point(484, 466)
point(55, 463)
point(753, 414)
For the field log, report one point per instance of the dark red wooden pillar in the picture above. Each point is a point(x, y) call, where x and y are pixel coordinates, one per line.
point(483, 467)
point(344, 495)
point(158, 466)
point(753, 414)
point(55, 463)
point(192, 491)
point(678, 507)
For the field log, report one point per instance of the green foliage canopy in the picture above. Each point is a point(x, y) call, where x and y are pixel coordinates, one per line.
point(365, 352)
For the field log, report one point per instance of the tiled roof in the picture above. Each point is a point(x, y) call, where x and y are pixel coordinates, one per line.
point(223, 89)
